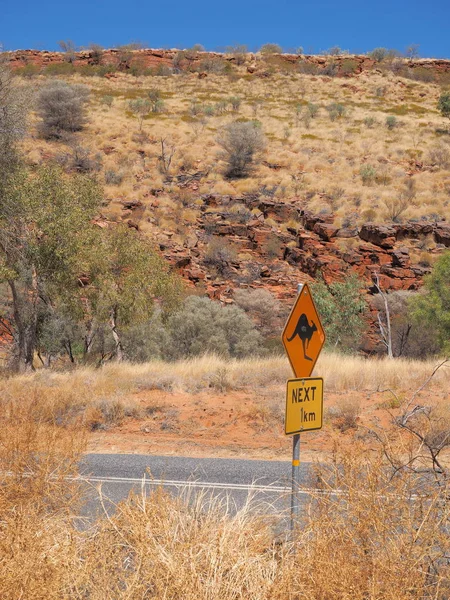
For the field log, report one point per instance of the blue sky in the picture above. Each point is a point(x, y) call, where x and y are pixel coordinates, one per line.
point(355, 25)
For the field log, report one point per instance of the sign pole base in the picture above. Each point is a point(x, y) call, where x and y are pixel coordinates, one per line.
point(295, 508)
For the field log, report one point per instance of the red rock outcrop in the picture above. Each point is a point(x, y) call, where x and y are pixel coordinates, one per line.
point(188, 60)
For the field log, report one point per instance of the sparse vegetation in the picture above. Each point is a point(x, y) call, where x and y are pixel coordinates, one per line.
point(341, 306)
point(444, 104)
point(61, 108)
point(206, 326)
point(242, 143)
point(431, 307)
point(271, 49)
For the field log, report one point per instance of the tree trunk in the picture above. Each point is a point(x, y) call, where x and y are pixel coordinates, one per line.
point(386, 332)
point(25, 317)
point(113, 325)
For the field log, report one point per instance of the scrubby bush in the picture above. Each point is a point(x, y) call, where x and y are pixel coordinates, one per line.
point(368, 174)
point(107, 100)
point(206, 326)
point(242, 143)
point(330, 69)
point(219, 254)
point(262, 307)
point(307, 68)
point(140, 108)
point(156, 101)
point(439, 155)
point(113, 177)
point(271, 49)
point(239, 52)
point(431, 308)
point(444, 104)
point(61, 108)
point(341, 306)
point(96, 52)
point(69, 49)
point(214, 65)
point(81, 160)
point(349, 67)
point(336, 110)
point(335, 51)
point(235, 103)
point(369, 122)
point(146, 341)
point(391, 122)
point(312, 109)
point(379, 54)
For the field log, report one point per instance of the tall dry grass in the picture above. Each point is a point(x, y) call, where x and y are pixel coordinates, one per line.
point(341, 373)
point(99, 398)
point(372, 541)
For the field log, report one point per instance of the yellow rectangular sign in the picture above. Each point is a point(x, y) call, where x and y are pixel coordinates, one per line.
point(304, 405)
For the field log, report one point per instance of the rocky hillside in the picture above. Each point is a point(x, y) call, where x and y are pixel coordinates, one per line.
point(355, 176)
point(189, 60)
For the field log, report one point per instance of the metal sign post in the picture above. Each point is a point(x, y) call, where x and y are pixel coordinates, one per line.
point(295, 479)
point(295, 466)
point(303, 338)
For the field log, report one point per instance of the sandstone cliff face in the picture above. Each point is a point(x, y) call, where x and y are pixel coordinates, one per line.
point(278, 259)
point(257, 64)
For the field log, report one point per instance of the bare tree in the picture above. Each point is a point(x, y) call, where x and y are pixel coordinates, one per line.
point(242, 143)
point(61, 107)
point(166, 155)
point(384, 324)
point(69, 48)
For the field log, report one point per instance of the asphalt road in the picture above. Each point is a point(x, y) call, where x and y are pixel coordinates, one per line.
point(267, 482)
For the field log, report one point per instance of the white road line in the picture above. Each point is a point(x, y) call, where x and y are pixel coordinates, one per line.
point(192, 484)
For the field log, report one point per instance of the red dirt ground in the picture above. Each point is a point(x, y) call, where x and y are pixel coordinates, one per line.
point(240, 424)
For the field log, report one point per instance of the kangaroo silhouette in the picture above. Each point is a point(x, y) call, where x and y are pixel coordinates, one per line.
point(305, 332)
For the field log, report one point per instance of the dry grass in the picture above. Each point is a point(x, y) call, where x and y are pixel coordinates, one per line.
point(370, 542)
point(304, 150)
point(106, 397)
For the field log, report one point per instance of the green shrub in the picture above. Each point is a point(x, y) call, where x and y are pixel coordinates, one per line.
point(29, 70)
point(368, 174)
point(64, 68)
point(140, 107)
point(444, 104)
point(312, 109)
point(349, 66)
point(307, 68)
point(156, 101)
point(341, 306)
point(336, 110)
point(146, 341)
point(108, 100)
point(271, 49)
point(204, 326)
point(235, 102)
point(432, 307)
point(391, 122)
point(369, 122)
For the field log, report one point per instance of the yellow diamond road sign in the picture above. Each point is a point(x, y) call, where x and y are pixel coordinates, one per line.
point(303, 335)
point(304, 405)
